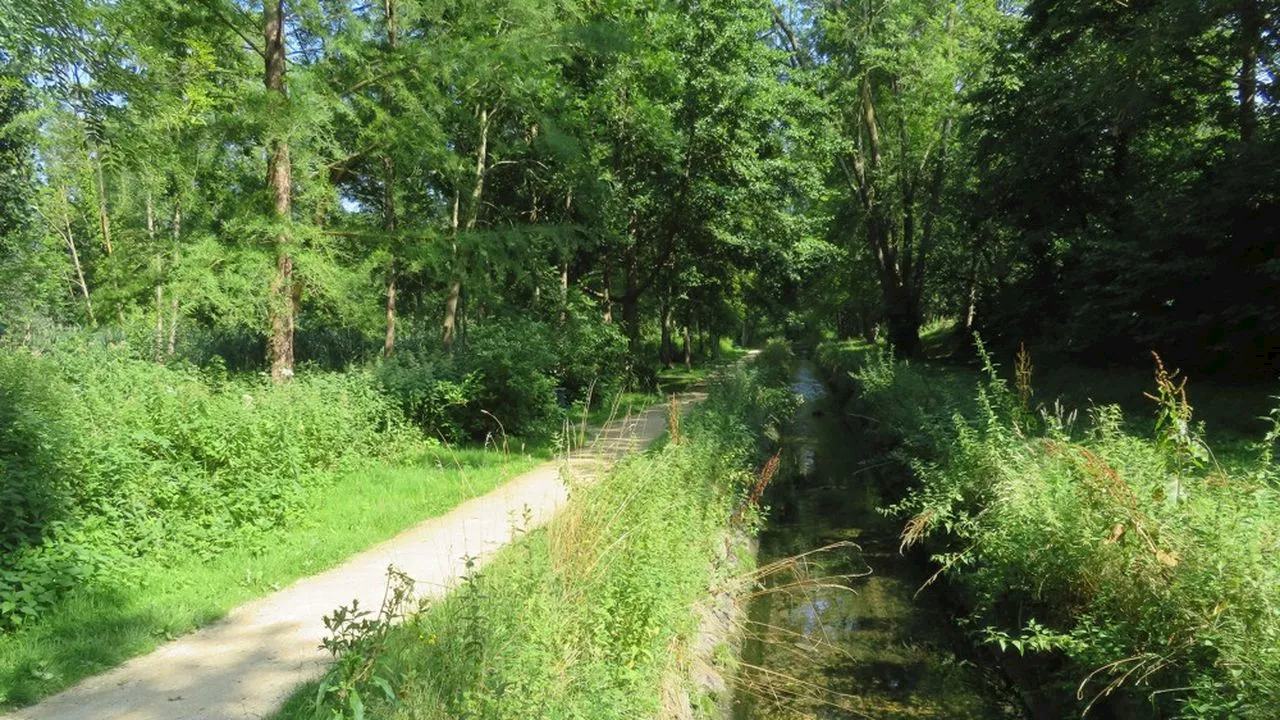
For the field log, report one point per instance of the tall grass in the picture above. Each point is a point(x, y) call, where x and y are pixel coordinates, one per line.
point(582, 619)
point(1142, 562)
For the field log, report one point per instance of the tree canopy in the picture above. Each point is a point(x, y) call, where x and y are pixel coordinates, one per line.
point(326, 182)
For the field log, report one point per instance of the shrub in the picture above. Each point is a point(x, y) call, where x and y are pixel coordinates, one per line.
point(512, 371)
point(592, 355)
point(515, 361)
point(106, 458)
point(1142, 561)
point(430, 390)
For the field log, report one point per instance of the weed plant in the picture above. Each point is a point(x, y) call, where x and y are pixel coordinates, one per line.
point(1141, 561)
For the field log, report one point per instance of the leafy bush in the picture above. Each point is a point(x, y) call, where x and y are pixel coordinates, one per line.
point(515, 361)
point(592, 355)
point(105, 458)
point(1144, 562)
point(430, 390)
point(511, 371)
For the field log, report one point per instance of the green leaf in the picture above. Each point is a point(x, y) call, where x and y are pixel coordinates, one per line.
point(386, 687)
point(357, 707)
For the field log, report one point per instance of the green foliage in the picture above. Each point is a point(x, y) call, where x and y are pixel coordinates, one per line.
point(1149, 566)
point(108, 459)
point(357, 644)
point(510, 376)
point(99, 625)
point(1127, 183)
point(429, 390)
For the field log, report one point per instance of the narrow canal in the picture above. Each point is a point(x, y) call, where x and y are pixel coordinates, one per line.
point(843, 633)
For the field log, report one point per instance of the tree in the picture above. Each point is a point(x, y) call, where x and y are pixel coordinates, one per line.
point(1135, 155)
point(894, 77)
point(282, 299)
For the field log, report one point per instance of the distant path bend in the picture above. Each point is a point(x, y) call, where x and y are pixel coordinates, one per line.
point(247, 664)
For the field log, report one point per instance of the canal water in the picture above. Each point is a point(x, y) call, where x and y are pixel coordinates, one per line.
point(843, 633)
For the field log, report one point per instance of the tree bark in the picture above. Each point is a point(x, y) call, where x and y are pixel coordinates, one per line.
point(104, 220)
point(688, 349)
point(631, 303)
point(607, 282)
point(75, 260)
point(450, 326)
point(389, 203)
point(564, 290)
point(173, 325)
point(667, 350)
point(176, 231)
point(389, 224)
point(389, 15)
point(158, 350)
point(281, 295)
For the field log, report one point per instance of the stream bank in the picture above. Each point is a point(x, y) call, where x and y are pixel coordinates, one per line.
point(843, 633)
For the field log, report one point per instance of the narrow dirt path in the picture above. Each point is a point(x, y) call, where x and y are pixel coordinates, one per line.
point(247, 664)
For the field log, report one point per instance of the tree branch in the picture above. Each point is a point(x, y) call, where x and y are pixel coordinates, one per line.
point(226, 21)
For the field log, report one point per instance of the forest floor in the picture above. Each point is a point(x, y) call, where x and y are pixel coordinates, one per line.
point(247, 664)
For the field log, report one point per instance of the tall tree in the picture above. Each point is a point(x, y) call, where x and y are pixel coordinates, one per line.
point(282, 300)
point(894, 76)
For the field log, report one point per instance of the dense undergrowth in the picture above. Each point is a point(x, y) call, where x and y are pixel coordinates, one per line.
point(105, 459)
point(584, 618)
point(108, 458)
point(1135, 571)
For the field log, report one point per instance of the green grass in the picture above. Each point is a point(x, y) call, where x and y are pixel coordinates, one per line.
point(97, 628)
point(1233, 413)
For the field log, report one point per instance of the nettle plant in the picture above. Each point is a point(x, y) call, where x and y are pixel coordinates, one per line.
point(358, 644)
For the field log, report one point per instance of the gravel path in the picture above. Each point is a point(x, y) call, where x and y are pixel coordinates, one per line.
point(247, 664)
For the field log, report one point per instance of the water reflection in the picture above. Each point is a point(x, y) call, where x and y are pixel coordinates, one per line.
point(854, 648)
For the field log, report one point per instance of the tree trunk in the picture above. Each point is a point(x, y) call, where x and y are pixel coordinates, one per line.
point(564, 290)
point(281, 299)
point(173, 325)
point(450, 326)
point(389, 14)
point(667, 350)
point(607, 282)
point(631, 305)
point(688, 349)
point(389, 203)
point(902, 315)
point(104, 220)
point(75, 261)
point(389, 343)
point(158, 350)
point(389, 224)
point(173, 302)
